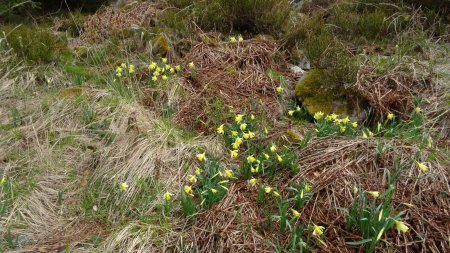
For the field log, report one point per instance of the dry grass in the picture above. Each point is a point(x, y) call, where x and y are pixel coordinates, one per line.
point(111, 19)
point(393, 92)
point(230, 226)
point(335, 166)
point(237, 75)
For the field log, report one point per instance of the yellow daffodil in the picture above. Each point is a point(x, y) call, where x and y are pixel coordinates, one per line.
point(158, 69)
point(124, 186)
point(198, 171)
point(266, 131)
point(123, 65)
point(418, 110)
point(422, 167)
point(187, 189)
point(364, 135)
point(232, 39)
point(246, 136)
point(268, 189)
point(238, 118)
point(342, 129)
point(238, 141)
point(131, 69)
point(374, 194)
point(167, 196)
point(254, 170)
point(2, 181)
point(162, 70)
point(234, 133)
point(251, 134)
point(355, 124)
point(192, 179)
point(370, 133)
point(201, 156)
point(390, 116)
point(251, 159)
point(152, 66)
point(273, 148)
point(252, 117)
point(213, 190)
point(164, 77)
point(228, 173)
point(298, 109)
point(240, 39)
point(164, 60)
point(234, 153)
point(266, 156)
point(291, 113)
point(295, 213)
point(172, 70)
point(178, 68)
point(253, 181)
point(429, 142)
point(318, 230)
point(119, 74)
point(279, 89)
point(49, 80)
point(220, 129)
point(243, 126)
point(318, 115)
point(276, 194)
point(168, 67)
point(307, 188)
point(355, 189)
point(154, 78)
point(401, 226)
point(345, 120)
point(119, 70)
point(191, 65)
point(380, 234)
point(279, 158)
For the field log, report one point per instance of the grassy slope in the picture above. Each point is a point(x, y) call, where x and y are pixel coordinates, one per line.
point(67, 145)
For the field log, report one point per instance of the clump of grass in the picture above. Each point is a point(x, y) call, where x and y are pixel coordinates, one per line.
point(35, 44)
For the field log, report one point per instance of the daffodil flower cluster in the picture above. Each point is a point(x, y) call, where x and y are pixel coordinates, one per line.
point(162, 71)
point(334, 124)
point(371, 214)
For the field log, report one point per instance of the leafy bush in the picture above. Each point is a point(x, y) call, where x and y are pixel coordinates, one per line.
point(252, 16)
point(35, 44)
point(9, 7)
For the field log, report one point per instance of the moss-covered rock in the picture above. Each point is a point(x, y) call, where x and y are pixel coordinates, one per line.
point(317, 94)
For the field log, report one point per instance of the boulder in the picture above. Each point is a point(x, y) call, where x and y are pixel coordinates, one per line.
point(317, 94)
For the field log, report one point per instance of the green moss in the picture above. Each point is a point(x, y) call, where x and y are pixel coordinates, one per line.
point(319, 94)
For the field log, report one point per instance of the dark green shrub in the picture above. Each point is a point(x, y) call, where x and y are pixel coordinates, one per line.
point(9, 7)
point(35, 44)
point(253, 16)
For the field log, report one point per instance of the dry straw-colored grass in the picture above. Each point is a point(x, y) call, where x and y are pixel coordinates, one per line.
point(111, 19)
point(335, 166)
point(230, 226)
point(235, 73)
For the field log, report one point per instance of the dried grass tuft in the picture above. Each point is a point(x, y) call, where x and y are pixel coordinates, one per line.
point(229, 226)
point(335, 166)
point(392, 92)
point(111, 19)
point(234, 73)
